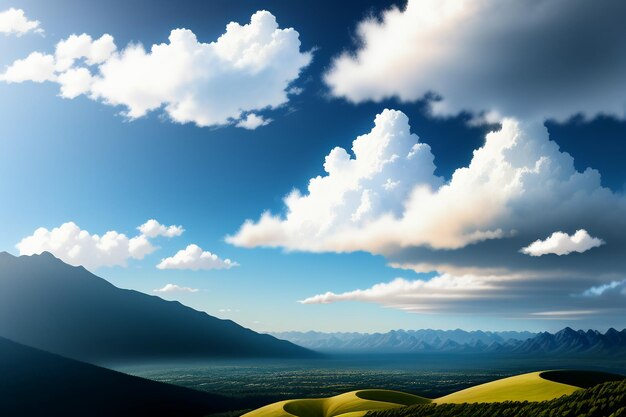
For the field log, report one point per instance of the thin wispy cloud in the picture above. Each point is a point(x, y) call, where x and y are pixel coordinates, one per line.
point(600, 290)
point(557, 315)
point(417, 295)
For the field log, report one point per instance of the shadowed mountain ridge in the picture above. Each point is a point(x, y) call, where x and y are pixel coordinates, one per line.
point(67, 310)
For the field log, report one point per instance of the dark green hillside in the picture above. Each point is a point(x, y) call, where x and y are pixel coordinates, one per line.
point(582, 379)
point(604, 400)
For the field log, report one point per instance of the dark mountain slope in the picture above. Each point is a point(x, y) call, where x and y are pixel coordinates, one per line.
point(67, 310)
point(37, 383)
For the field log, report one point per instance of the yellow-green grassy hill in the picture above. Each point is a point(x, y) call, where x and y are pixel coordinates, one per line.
point(534, 386)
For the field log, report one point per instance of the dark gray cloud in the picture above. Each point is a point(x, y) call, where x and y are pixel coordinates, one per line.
point(526, 59)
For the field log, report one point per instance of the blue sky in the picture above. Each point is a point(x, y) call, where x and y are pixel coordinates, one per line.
point(82, 161)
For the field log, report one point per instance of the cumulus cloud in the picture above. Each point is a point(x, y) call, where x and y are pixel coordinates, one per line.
point(355, 196)
point(252, 121)
point(529, 60)
point(559, 243)
point(77, 47)
point(194, 258)
point(175, 288)
point(74, 82)
point(386, 197)
point(36, 67)
point(14, 22)
point(76, 246)
point(153, 228)
point(248, 68)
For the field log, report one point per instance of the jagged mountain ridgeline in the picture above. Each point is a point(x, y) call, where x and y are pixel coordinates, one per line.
point(47, 304)
point(458, 341)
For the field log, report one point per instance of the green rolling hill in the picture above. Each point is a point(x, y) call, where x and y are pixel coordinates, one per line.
point(526, 387)
point(350, 404)
point(531, 387)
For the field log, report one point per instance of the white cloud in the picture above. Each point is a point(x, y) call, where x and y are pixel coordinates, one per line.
point(560, 243)
point(600, 290)
point(76, 246)
point(74, 82)
point(249, 68)
point(252, 121)
point(506, 187)
point(175, 288)
point(563, 314)
point(153, 228)
point(14, 22)
point(418, 295)
point(529, 60)
point(36, 67)
point(194, 258)
point(76, 47)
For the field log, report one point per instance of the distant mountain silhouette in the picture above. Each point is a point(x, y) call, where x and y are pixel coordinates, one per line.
point(569, 341)
point(37, 383)
point(403, 341)
point(67, 310)
point(566, 341)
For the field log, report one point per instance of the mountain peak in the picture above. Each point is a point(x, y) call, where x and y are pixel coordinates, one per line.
point(70, 311)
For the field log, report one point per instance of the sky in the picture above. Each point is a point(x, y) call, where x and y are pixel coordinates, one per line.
point(363, 167)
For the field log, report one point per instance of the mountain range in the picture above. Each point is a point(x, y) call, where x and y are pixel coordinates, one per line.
point(67, 310)
point(48, 304)
point(566, 341)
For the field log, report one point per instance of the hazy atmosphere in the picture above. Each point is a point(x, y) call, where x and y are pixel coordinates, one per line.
point(411, 208)
point(352, 188)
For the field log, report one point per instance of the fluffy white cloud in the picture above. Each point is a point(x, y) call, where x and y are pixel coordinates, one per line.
point(77, 47)
point(248, 68)
point(175, 288)
point(194, 258)
point(76, 246)
point(153, 228)
point(529, 60)
point(14, 22)
point(386, 196)
point(418, 295)
point(560, 243)
point(74, 82)
point(354, 195)
point(36, 67)
point(252, 121)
